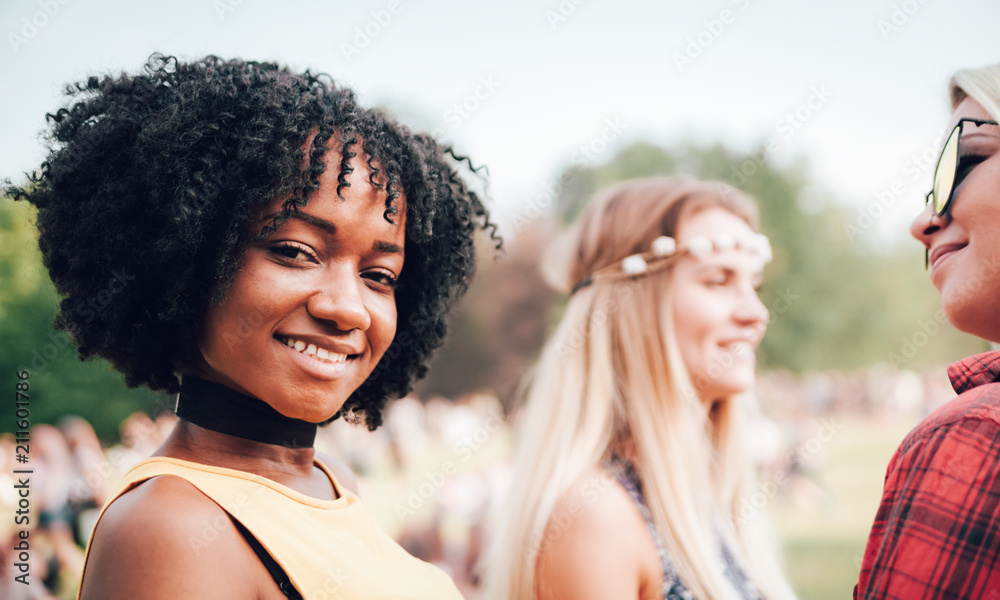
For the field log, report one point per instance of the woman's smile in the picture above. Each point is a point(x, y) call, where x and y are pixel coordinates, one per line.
point(318, 361)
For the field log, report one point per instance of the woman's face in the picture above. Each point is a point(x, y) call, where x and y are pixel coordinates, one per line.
point(965, 245)
point(718, 318)
point(312, 308)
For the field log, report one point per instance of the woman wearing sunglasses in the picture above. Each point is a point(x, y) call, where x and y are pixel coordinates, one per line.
point(279, 256)
point(937, 530)
point(631, 478)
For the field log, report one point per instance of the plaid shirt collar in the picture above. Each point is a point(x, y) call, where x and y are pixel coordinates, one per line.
point(975, 371)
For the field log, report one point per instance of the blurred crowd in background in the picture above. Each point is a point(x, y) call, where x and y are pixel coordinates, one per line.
point(434, 472)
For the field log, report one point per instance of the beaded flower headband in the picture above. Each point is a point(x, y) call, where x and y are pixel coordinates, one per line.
point(665, 248)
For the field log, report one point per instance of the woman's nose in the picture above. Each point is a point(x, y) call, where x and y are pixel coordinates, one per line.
point(751, 311)
point(340, 300)
point(926, 223)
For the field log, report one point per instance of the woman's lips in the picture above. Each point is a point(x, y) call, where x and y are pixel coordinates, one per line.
point(327, 371)
point(942, 252)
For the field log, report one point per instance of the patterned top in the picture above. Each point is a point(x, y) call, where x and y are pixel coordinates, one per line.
point(673, 588)
point(937, 530)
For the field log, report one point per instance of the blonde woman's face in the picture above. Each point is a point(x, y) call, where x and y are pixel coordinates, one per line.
point(964, 244)
point(718, 318)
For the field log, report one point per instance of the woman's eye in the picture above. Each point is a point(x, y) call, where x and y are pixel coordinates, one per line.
point(382, 278)
point(965, 166)
point(291, 252)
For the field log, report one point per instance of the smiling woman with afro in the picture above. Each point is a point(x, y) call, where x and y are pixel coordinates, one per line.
point(235, 232)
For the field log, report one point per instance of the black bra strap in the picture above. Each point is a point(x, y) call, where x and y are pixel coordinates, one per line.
point(272, 566)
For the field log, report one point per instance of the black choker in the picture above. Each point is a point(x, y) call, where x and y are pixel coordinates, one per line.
point(219, 408)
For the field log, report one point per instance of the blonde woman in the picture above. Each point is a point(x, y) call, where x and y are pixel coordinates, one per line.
point(632, 465)
point(935, 534)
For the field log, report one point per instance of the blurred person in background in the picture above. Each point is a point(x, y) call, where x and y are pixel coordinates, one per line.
point(95, 477)
point(937, 530)
point(54, 539)
point(12, 564)
point(632, 462)
point(235, 232)
point(93, 486)
point(140, 437)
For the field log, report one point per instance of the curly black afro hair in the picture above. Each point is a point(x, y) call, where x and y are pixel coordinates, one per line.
point(151, 179)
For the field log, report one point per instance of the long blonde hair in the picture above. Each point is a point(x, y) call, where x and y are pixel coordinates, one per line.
point(611, 374)
point(982, 85)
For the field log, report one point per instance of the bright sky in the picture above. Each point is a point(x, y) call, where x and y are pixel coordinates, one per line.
point(855, 87)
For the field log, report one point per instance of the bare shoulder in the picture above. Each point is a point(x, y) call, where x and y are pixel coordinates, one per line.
point(341, 471)
point(596, 544)
point(165, 539)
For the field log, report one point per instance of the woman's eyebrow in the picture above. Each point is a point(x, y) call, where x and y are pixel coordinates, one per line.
point(313, 220)
point(329, 227)
point(323, 224)
point(726, 270)
point(706, 267)
point(386, 247)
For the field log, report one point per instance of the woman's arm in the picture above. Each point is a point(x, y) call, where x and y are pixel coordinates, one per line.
point(596, 546)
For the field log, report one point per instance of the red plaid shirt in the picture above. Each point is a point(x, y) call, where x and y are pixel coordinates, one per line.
point(937, 531)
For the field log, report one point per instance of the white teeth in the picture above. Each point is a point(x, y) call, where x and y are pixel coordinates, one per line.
point(311, 350)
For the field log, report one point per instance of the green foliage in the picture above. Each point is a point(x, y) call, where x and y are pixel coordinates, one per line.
point(60, 383)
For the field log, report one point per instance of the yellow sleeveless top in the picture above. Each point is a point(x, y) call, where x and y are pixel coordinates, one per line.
point(330, 549)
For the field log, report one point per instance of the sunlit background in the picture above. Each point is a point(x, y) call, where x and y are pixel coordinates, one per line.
point(830, 114)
